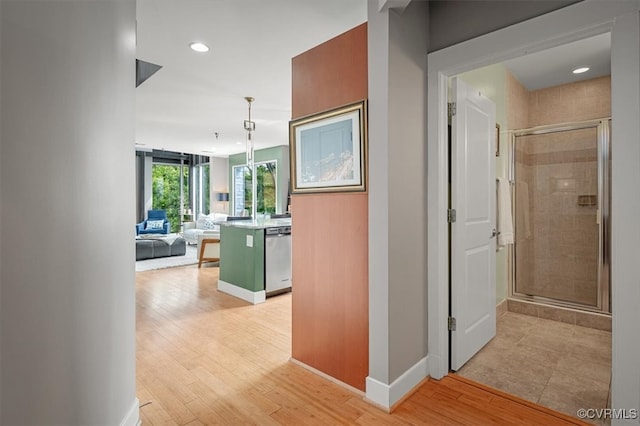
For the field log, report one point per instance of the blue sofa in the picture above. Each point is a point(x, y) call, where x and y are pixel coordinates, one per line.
point(155, 223)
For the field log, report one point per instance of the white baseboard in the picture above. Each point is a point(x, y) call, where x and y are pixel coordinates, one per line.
point(385, 396)
point(132, 418)
point(253, 297)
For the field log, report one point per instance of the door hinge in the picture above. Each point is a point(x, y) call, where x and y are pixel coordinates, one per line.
point(452, 324)
point(451, 215)
point(451, 109)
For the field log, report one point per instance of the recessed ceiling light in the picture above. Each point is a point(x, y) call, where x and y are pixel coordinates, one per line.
point(199, 47)
point(580, 70)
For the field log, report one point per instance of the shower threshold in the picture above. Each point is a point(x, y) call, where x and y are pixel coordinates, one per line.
point(569, 315)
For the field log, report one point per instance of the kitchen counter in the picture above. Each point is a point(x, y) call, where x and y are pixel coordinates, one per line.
point(257, 224)
point(243, 269)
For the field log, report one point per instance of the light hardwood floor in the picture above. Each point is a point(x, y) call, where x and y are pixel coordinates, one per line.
point(204, 357)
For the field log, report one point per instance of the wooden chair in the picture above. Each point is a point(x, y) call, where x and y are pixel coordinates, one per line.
point(212, 254)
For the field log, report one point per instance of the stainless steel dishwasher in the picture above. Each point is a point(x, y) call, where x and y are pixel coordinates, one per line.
point(277, 260)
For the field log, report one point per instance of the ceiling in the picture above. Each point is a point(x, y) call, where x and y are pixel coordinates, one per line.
point(552, 67)
point(196, 95)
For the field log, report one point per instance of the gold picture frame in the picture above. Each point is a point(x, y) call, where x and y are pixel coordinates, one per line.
point(328, 151)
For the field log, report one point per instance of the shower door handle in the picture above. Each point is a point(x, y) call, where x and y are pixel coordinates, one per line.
point(494, 233)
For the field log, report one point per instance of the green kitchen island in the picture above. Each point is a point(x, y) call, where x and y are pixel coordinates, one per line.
point(254, 254)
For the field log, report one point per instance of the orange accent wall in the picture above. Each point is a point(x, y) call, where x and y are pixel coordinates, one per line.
point(331, 74)
point(330, 315)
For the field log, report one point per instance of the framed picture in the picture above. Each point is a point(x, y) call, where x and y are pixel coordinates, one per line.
point(328, 151)
point(497, 140)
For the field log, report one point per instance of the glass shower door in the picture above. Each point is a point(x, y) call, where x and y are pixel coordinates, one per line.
point(559, 189)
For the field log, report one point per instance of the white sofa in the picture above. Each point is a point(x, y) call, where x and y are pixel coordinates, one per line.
point(208, 225)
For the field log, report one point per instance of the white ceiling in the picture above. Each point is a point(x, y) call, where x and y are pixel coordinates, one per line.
point(553, 67)
point(196, 95)
point(251, 42)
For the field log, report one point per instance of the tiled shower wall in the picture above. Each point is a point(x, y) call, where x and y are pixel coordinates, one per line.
point(556, 188)
point(584, 100)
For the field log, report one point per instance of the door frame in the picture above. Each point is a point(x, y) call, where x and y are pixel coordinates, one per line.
point(575, 22)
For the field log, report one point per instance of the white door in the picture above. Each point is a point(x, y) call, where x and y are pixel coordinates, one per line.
point(473, 242)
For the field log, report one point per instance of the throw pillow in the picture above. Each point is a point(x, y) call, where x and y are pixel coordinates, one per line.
point(200, 221)
point(155, 224)
point(209, 223)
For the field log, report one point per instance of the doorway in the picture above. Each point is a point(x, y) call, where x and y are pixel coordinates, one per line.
point(551, 168)
point(578, 21)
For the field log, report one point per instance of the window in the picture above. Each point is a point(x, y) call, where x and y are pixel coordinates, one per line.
point(266, 189)
point(200, 189)
point(170, 185)
point(180, 185)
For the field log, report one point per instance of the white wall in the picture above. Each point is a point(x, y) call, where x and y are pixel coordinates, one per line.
point(625, 210)
point(397, 200)
point(408, 38)
point(68, 208)
point(378, 140)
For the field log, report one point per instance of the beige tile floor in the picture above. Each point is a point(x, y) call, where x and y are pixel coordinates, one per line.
point(561, 366)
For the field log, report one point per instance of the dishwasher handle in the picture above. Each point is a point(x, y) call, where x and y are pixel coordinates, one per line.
point(278, 232)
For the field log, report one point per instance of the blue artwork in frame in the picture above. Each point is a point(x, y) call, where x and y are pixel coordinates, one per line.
point(328, 150)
